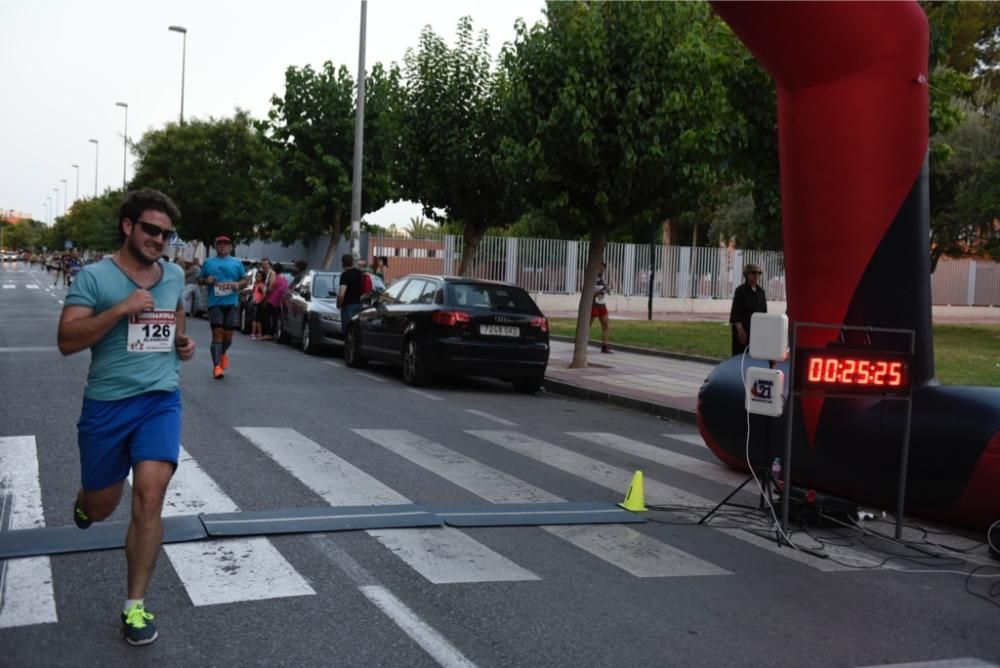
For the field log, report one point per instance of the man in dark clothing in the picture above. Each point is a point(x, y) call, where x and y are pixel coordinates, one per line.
point(748, 299)
point(349, 294)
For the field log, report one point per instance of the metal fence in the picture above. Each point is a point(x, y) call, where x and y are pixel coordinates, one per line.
point(557, 266)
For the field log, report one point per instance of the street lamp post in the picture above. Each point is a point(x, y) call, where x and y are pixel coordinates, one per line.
point(56, 191)
point(124, 105)
point(77, 168)
point(359, 138)
point(96, 151)
point(48, 208)
point(65, 186)
point(182, 30)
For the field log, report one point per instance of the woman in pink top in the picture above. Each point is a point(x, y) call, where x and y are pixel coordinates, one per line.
point(279, 288)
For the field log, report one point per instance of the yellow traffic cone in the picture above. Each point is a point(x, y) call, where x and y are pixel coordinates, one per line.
point(634, 497)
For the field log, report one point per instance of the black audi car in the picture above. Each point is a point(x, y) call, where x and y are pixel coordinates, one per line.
point(437, 325)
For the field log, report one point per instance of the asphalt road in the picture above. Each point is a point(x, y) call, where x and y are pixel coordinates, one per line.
point(285, 430)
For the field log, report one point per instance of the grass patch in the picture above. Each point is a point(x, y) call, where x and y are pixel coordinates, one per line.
point(963, 354)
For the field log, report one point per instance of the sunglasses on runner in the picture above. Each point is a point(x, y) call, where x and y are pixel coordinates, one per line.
point(155, 230)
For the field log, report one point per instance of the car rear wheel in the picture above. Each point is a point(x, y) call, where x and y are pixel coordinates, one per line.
point(309, 346)
point(352, 349)
point(280, 335)
point(415, 371)
point(528, 385)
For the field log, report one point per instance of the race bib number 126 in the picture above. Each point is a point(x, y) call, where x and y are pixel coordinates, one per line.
point(152, 331)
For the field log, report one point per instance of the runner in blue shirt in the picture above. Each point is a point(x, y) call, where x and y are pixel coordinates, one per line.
point(127, 310)
point(224, 275)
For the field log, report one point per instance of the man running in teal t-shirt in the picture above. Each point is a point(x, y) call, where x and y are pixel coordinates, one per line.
point(224, 275)
point(127, 310)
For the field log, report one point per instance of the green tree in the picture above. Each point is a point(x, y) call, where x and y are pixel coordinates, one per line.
point(215, 170)
point(27, 234)
point(452, 122)
point(625, 119)
point(420, 228)
point(92, 223)
point(310, 130)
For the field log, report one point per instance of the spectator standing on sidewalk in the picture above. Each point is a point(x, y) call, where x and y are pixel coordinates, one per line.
point(349, 293)
point(599, 309)
point(279, 288)
point(257, 315)
point(748, 299)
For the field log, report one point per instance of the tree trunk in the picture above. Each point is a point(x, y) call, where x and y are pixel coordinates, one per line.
point(470, 247)
point(331, 248)
point(594, 259)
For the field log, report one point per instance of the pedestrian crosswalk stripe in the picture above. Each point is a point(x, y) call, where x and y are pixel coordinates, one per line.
point(699, 467)
point(494, 418)
point(657, 493)
point(693, 439)
point(621, 546)
point(26, 593)
point(223, 571)
point(32, 286)
point(443, 555)
point(9, 286)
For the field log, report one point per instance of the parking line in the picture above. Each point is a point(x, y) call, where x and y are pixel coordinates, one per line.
point(498, 420)
point(426, 395)
point(339, 365)
point(371, 377)
point(412, 625)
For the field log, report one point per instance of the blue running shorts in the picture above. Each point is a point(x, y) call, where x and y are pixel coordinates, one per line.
point(115, 435)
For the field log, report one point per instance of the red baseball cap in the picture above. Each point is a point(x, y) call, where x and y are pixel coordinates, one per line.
point(223, 237)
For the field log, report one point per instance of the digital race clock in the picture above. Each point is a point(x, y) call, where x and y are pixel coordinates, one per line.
point(852, 371)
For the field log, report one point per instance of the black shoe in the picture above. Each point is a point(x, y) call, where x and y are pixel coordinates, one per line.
point(606, 350)
point(80, 517)
point(138, 626)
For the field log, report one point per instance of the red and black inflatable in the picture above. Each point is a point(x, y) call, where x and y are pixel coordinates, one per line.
point(853, 130)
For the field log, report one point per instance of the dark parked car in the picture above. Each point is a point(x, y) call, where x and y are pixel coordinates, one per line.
point(310, 312)
point(435, 325)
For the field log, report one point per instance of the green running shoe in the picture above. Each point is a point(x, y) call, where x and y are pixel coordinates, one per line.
point(139, 629)
point(80, 517)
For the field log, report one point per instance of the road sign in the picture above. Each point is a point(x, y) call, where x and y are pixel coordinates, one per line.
point(176, 242)
point(67, 244)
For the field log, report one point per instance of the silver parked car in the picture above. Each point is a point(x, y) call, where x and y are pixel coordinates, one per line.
point(309, 312)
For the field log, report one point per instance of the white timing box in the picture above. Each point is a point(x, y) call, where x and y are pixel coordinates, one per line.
point(765, 391)
point(769, 336)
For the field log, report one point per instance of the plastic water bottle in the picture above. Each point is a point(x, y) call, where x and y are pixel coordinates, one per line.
point(776, 476)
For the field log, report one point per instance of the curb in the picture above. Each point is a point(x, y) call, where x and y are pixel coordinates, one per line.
point(653, 408)
point(643, 351)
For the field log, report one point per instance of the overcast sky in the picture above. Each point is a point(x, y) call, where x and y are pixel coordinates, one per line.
point(65, 63)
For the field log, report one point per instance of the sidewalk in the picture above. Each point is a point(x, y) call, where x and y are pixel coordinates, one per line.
point(652, 383)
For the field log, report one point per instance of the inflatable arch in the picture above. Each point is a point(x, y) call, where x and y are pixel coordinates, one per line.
point(853, 134)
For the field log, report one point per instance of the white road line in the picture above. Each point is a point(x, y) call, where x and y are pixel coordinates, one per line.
point(621, 546)
point(442, 555)
point(339, 365)
point(60, 301)
point(693, 439)
point(26, 596)
point(657, 493)
point(494, 418)
point(425, 395)
point(31, 286)
point(699, 467)
point(9, 286)
point(432, 642)
point(229, 570)
point(371, 377)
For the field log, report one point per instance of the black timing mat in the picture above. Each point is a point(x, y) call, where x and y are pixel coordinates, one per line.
point(111, 535)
